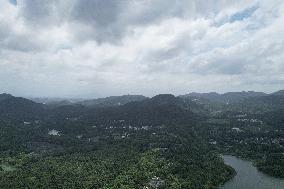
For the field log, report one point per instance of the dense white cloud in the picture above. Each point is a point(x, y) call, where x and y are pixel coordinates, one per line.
point(95, 48)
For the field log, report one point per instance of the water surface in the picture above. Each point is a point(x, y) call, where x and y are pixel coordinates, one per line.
point(248, 177)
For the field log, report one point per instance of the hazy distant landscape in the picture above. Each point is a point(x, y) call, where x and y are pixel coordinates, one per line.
point(168, 141)
point(141, 94)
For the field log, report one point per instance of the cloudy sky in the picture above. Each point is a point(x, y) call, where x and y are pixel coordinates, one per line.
point(95, 48)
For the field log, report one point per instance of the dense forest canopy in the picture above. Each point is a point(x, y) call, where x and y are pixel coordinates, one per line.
point(159, 142)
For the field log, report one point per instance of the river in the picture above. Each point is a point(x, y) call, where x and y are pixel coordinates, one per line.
point(248, 177)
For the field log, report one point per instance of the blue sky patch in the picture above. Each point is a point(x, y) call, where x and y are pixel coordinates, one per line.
point(14, 2)
point(246, 13)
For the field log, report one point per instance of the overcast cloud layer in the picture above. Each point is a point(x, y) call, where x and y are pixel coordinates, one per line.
point(94, 48)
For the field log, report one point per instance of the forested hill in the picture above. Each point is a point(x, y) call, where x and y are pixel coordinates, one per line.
point(239, 101)
point(19, 108)
point(230, 97)
point(150, 143)
point(278, 93)
point(112, 100)
point(157, 110)
point(159, 142)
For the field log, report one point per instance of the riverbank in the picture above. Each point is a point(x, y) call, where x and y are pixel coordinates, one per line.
point(248, 176)
point(270, 164)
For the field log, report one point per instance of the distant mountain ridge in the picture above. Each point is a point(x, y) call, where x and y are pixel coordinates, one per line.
point(162, 108)
point(278, 93)
point(5, 96)
point(229, 97)
point(112, 100)
point(52, 101)
point(195, 102)
point(18, 107)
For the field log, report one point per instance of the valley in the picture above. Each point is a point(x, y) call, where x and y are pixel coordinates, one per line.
point(159, 142)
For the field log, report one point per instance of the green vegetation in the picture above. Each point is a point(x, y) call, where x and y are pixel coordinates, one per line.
point(179, 161)
point(162, 142)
